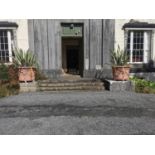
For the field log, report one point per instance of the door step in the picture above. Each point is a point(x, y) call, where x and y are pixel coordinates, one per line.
point(83, 84)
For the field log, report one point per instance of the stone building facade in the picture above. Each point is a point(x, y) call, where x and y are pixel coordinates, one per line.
point(81, 46)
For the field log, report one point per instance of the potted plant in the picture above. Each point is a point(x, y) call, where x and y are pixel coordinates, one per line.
point(26, 63)
point(120, 68)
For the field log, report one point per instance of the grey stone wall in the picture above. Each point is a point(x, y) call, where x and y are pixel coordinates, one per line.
point(45, 42)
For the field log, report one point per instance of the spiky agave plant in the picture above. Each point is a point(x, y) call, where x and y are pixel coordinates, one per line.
point(24, 58)
point(119, 57)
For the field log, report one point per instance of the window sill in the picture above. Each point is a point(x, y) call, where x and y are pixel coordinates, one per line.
point(7, 63)
point(134, 63)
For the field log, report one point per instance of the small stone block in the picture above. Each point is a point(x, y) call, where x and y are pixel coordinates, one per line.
point(112, 85)
point(28, 87)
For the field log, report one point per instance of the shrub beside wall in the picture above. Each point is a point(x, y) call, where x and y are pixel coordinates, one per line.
point(143, 86)
point(8, 80)
point(4, 72)
point(8, 89)
point(13, 74)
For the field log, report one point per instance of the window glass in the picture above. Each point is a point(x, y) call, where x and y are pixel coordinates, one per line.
point(4, 46)
point(137, 50)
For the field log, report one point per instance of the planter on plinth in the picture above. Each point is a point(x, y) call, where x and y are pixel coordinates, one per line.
point(121, 73)
point(26, 74)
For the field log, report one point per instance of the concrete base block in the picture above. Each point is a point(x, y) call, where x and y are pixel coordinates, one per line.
point(28, 86)
point(112, 85)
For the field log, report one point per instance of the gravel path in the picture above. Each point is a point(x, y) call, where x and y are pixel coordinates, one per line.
point(78, 113)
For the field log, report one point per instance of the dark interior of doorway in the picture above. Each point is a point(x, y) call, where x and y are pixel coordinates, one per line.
point(72, 56)
point(72, 59)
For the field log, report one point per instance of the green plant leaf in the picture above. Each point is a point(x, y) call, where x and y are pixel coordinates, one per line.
point(119, 57)
point(24, 58)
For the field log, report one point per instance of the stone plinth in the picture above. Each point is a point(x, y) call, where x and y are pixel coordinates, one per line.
point(112, 85)
point(28, 87)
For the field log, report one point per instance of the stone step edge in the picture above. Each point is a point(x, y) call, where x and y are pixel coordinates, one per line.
point(67, 81)
point(70, 85)
point(76, 87)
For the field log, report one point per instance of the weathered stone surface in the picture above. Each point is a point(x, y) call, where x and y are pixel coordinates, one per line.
point(78, 113)
point(45, 40)
point(28, 87)
point(112, 85)
point(79, 84)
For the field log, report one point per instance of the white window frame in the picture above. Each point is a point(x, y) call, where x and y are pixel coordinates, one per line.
point(145, 55)
point(9, 45)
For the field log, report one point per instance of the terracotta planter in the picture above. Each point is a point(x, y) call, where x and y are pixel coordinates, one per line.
point(121, 73)
point(26, 74)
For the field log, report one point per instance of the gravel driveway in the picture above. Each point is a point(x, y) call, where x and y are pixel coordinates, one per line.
point(78, 113)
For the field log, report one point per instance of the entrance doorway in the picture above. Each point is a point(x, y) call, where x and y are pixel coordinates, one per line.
point(72, 55)
point(72, 59)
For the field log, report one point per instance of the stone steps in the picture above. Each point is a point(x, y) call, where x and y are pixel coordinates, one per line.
point(69, 88)
point(70, 85)
point(69, 80)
